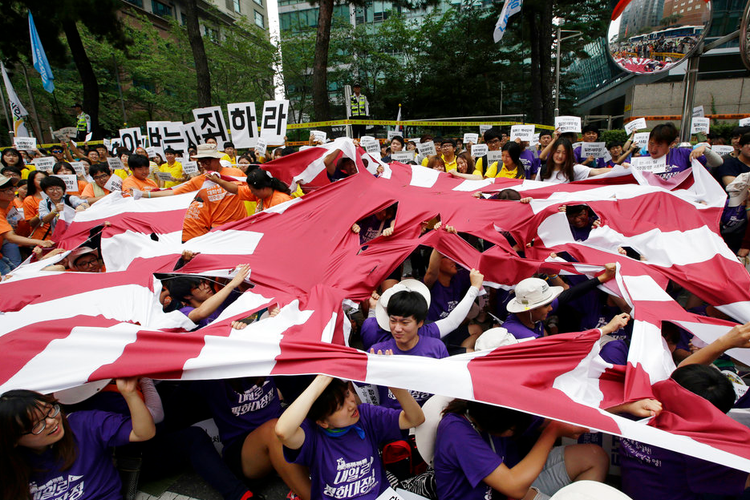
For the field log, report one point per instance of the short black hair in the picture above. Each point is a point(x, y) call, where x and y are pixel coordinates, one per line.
point(228, 145)
point(613, 144)
point(99, 168)
point(664, 133)
point(407, 303)
point(591, 128)
point(398, 138)
point(60, 164)
point(545, 132)
point(509, 194)
point(169, 150)
point(137, 161)
point(708, 383)
point(740, 131)
point(330, 400)
point(182, 287)
point(52, 181)
point(11, 169)
point(448, 140)
point(744, 139)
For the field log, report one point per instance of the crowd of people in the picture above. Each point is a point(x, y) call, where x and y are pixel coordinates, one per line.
point(315, 432)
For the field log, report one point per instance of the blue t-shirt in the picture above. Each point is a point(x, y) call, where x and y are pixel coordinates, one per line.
point(92, 475)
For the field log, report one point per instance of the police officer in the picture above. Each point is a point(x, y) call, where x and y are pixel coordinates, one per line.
point(360, 109)
point(83, 123)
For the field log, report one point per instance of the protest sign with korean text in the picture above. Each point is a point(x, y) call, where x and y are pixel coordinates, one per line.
point(191, 133)
point(130, 138)
point(471, 138)
point(114, 183)
point(595, 149)
point(641, 139)
point(210, 123)
point(478, 150)
point(568, 124)
point(24, 143)
point(523, 132)
point(648, 164)
point(155, 132)
point(260, 146)
point(403, 156)
point(700, 125)
point(243, 122)
point(637, 124)
point(71, 182)
point(115, 164)
point(274, 121)
point(190, 167)
point(78, 167)
point(45, 163)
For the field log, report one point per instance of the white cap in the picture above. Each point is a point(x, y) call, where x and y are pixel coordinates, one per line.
point(411, 285)
point(532, 293)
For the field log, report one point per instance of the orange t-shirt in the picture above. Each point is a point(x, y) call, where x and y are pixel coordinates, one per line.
point(133, 182)
point(5, 226)
point(88, 191)
point(81, 186)
point(276, 198)
point(31, 210)
point(213, 205)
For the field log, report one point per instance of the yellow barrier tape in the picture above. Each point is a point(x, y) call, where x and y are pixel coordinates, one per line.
point(296, 126)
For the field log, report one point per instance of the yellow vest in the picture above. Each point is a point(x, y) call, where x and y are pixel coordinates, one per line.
point(358, 105)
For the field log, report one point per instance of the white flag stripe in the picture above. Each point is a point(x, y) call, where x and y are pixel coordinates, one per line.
point(120, 250)
point(473, 185)
point(423, 176)
point(645, 288)
point(225, 242)
point(649, 350)
point(114, 204)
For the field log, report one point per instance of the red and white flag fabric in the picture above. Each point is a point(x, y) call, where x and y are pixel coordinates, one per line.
point(60, 330)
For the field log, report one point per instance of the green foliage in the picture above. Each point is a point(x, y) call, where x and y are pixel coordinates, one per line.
point(613, 135)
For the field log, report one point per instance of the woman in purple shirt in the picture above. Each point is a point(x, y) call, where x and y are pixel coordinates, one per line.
point(44, 454)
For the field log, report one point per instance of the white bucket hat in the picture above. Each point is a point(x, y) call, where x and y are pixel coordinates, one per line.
point(495, 337)
point(207, 151)
point(410, 285)
point(588, 490)
point(532, 293)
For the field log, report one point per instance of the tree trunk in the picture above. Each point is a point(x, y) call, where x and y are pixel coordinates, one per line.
point(86, 72)
point(539, 16)
point(203, 76)
point(321, 106)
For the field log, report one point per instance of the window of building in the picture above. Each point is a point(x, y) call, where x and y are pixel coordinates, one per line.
point(161, 9)
point(259, 21)
point(236, 6)
point(259, 2)
point(137, 3)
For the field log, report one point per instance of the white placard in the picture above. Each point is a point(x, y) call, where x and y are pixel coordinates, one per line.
point(392, 134)
point(319, 136)
point(114, 183)
point(700, 126)
point(130, 138)
point(45, 163)
point(190, 167)
point(607, 157)
point(492, 157)
point(191, 134)
point(243, 122)
point(107, 143)
point(403, 156)
point(210, 123)
point(637, 124)
point(260, 146)
point(641, 138)
point(595, 149)
point(523, 132)
point(484, 128)
point(478, 150)
point(115, 164)
point(164, 176)
point(88, 137)
point(568, 124)
point(274, 120)
point(114, 143)
point(427, 148)
point(721, 149)
point(152, 152)
point(24, 143)
point(78, 167)
point(71, 182)
point(155, 132)
point(745, 122)
point(372, 147)
point(534, 140)
point(698, 112)
point(471, 138)
point(648, 164)
point(389, 494)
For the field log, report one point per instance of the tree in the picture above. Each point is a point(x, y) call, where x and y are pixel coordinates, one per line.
point(202, 74)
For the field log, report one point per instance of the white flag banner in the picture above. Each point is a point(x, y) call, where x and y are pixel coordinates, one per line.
point(243, 122)
point(16, 108)
point(510, 7)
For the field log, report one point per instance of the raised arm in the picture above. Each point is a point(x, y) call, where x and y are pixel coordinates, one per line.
point(411, 413)
point(739, 337)
point(458, 314)
point(212, 303)
point(288, 428)
point(228, 186)
point(143, 424)
point(548, 148)
point(431, 275)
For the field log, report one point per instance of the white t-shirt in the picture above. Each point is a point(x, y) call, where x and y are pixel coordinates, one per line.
point(580, 172)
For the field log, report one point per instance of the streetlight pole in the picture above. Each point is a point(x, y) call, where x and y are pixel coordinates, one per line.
point(560, 39)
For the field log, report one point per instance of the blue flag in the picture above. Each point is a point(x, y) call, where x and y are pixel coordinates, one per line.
point(40, 58)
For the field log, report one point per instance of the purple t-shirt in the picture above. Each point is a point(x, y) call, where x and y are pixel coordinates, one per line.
point(464, 457)
point(372, 333)
point(371, 227)
point(426, 346)
point(445, 298)
point(577, 155)
point(238, 413)
point(92, 475)
point(234, 294)
point(615, 352)
point(347, 466)
point(650, 472)
point(521, 331)
point(678, 159)
point(530, 163)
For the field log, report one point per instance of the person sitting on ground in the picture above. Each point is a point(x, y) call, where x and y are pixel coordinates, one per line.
point(43, 449)
point(476, 454)
point(51, 208)
point(139, 179)
point(325, 421)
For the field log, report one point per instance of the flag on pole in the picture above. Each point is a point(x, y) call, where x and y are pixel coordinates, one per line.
point(40, 58)
point(509, 8)
point(16, 108)
point(398, 118)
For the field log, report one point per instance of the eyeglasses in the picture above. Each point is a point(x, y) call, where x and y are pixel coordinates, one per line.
point(57, 151)
point(39, 427)
point(55, 188)
point(87, 263)
point(446, 146)
point(9, 189)
point(99, 177)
